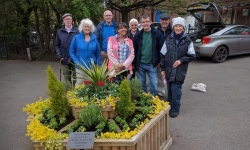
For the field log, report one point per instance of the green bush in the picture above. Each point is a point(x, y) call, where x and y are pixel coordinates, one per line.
point(91, 115)
point(125, 107)
point(59, 102)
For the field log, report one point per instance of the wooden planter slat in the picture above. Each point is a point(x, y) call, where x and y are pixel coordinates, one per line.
point(153, 136)
point(107, 112)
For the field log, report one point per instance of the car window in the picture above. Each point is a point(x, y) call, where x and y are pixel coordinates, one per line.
point(239, 30)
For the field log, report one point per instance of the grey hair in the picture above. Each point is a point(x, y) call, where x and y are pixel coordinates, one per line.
point(88, 22)
point(133, 20)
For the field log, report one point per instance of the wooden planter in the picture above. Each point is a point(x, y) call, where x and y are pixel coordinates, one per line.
point(107, 112)
point(153, 136)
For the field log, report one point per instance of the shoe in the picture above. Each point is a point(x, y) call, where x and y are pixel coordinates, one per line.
point(173, 114)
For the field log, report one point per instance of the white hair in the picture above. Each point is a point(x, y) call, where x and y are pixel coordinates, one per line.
point(133, 20)
point(87, 22)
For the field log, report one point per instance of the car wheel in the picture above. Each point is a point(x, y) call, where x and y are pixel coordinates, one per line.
point(220, 54)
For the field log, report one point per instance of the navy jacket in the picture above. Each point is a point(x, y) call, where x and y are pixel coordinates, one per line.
point(62, 43)
point(171, 52)
point(156, 46)
point(165, 33)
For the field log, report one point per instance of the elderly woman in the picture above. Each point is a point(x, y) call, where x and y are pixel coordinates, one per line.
point(120, 51)
point(176, 53)
point(84, 47)
point(133, 25)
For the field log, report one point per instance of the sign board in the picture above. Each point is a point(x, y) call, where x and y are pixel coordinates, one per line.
point(81, 140)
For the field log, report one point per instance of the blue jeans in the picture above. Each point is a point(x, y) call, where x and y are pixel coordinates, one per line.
point(152, 74)
point(174, 95)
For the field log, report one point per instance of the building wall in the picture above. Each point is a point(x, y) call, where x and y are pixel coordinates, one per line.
point(235, 17)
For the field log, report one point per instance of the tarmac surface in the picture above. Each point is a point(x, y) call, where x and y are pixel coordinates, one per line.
point(216, 120)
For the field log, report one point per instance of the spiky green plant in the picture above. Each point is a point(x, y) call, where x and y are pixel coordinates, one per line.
point(97, 73)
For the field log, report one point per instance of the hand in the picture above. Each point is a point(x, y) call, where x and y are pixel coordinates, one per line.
point(61, 59)
point(163, 74)
point(104, 54)
point(121, 67)
point(176, 63)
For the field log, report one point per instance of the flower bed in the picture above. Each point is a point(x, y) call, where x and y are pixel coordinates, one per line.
point(140, 118)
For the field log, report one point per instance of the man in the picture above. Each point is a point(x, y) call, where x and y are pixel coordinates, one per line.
point(105, 29)
point(62, 43)
point(165, 29)
point(147, 45)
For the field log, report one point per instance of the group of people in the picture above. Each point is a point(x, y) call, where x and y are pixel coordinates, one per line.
point(161, 53)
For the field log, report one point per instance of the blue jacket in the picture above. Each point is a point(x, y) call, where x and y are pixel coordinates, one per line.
point(98, 33)
point(156, 46)
point(171, 52)
point(82, 51)
point(62, 43)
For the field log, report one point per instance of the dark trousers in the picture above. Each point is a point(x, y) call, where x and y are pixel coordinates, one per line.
point(174, 95)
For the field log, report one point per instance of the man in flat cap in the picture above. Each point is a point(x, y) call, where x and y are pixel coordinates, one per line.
point(165, 29)
point(62, 43)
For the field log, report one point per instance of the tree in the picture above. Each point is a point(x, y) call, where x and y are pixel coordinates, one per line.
point(126, 6)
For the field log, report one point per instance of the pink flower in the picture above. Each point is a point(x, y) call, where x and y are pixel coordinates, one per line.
point(86, 82)
point(100, 83)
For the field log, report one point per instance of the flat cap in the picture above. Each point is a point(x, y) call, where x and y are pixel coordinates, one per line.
point(65, 15)
point(164, 16)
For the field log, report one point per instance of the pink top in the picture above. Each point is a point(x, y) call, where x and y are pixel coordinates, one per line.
point(112, 52)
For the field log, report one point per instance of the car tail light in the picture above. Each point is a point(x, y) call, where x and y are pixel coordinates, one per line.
point(206, 40)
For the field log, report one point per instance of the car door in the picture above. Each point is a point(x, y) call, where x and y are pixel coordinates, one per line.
point(244, 39)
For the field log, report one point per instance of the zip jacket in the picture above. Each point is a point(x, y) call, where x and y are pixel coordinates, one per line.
point(62, 43)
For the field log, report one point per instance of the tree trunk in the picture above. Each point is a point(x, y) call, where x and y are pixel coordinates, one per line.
point(125, 16)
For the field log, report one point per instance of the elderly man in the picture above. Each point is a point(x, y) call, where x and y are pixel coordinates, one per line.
point(62, 43)
point(105, 29)
point(165, 29)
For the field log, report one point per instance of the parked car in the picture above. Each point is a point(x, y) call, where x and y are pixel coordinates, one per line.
point(216, 39)
point(155, 24)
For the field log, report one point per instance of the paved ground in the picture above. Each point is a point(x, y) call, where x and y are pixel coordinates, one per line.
point(216, 120)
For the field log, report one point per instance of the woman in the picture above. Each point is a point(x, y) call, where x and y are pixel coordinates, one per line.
point(176, 53)
point(120, 51)
point(84, 48)
point(133, 25)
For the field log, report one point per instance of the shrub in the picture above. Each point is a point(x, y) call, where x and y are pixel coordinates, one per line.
point(125, 107)
point(91, 115)
point(136, 88)
point(59, 103)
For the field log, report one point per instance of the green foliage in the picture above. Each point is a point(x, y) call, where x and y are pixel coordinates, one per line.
point(100, 127)
point(143, 100)
point(122, 122)
point(136, 88)
point(91, 115)
point(112, 126)
point(48, 118)
point(59, 103)
point(145, 110)
point(67, 86)
point(125, 107)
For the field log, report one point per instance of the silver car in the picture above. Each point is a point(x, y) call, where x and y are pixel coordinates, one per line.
point(215, 39)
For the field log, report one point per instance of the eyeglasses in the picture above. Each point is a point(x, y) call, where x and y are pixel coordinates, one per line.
point(133, 25)
point(145, 22)
point(107, 15)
